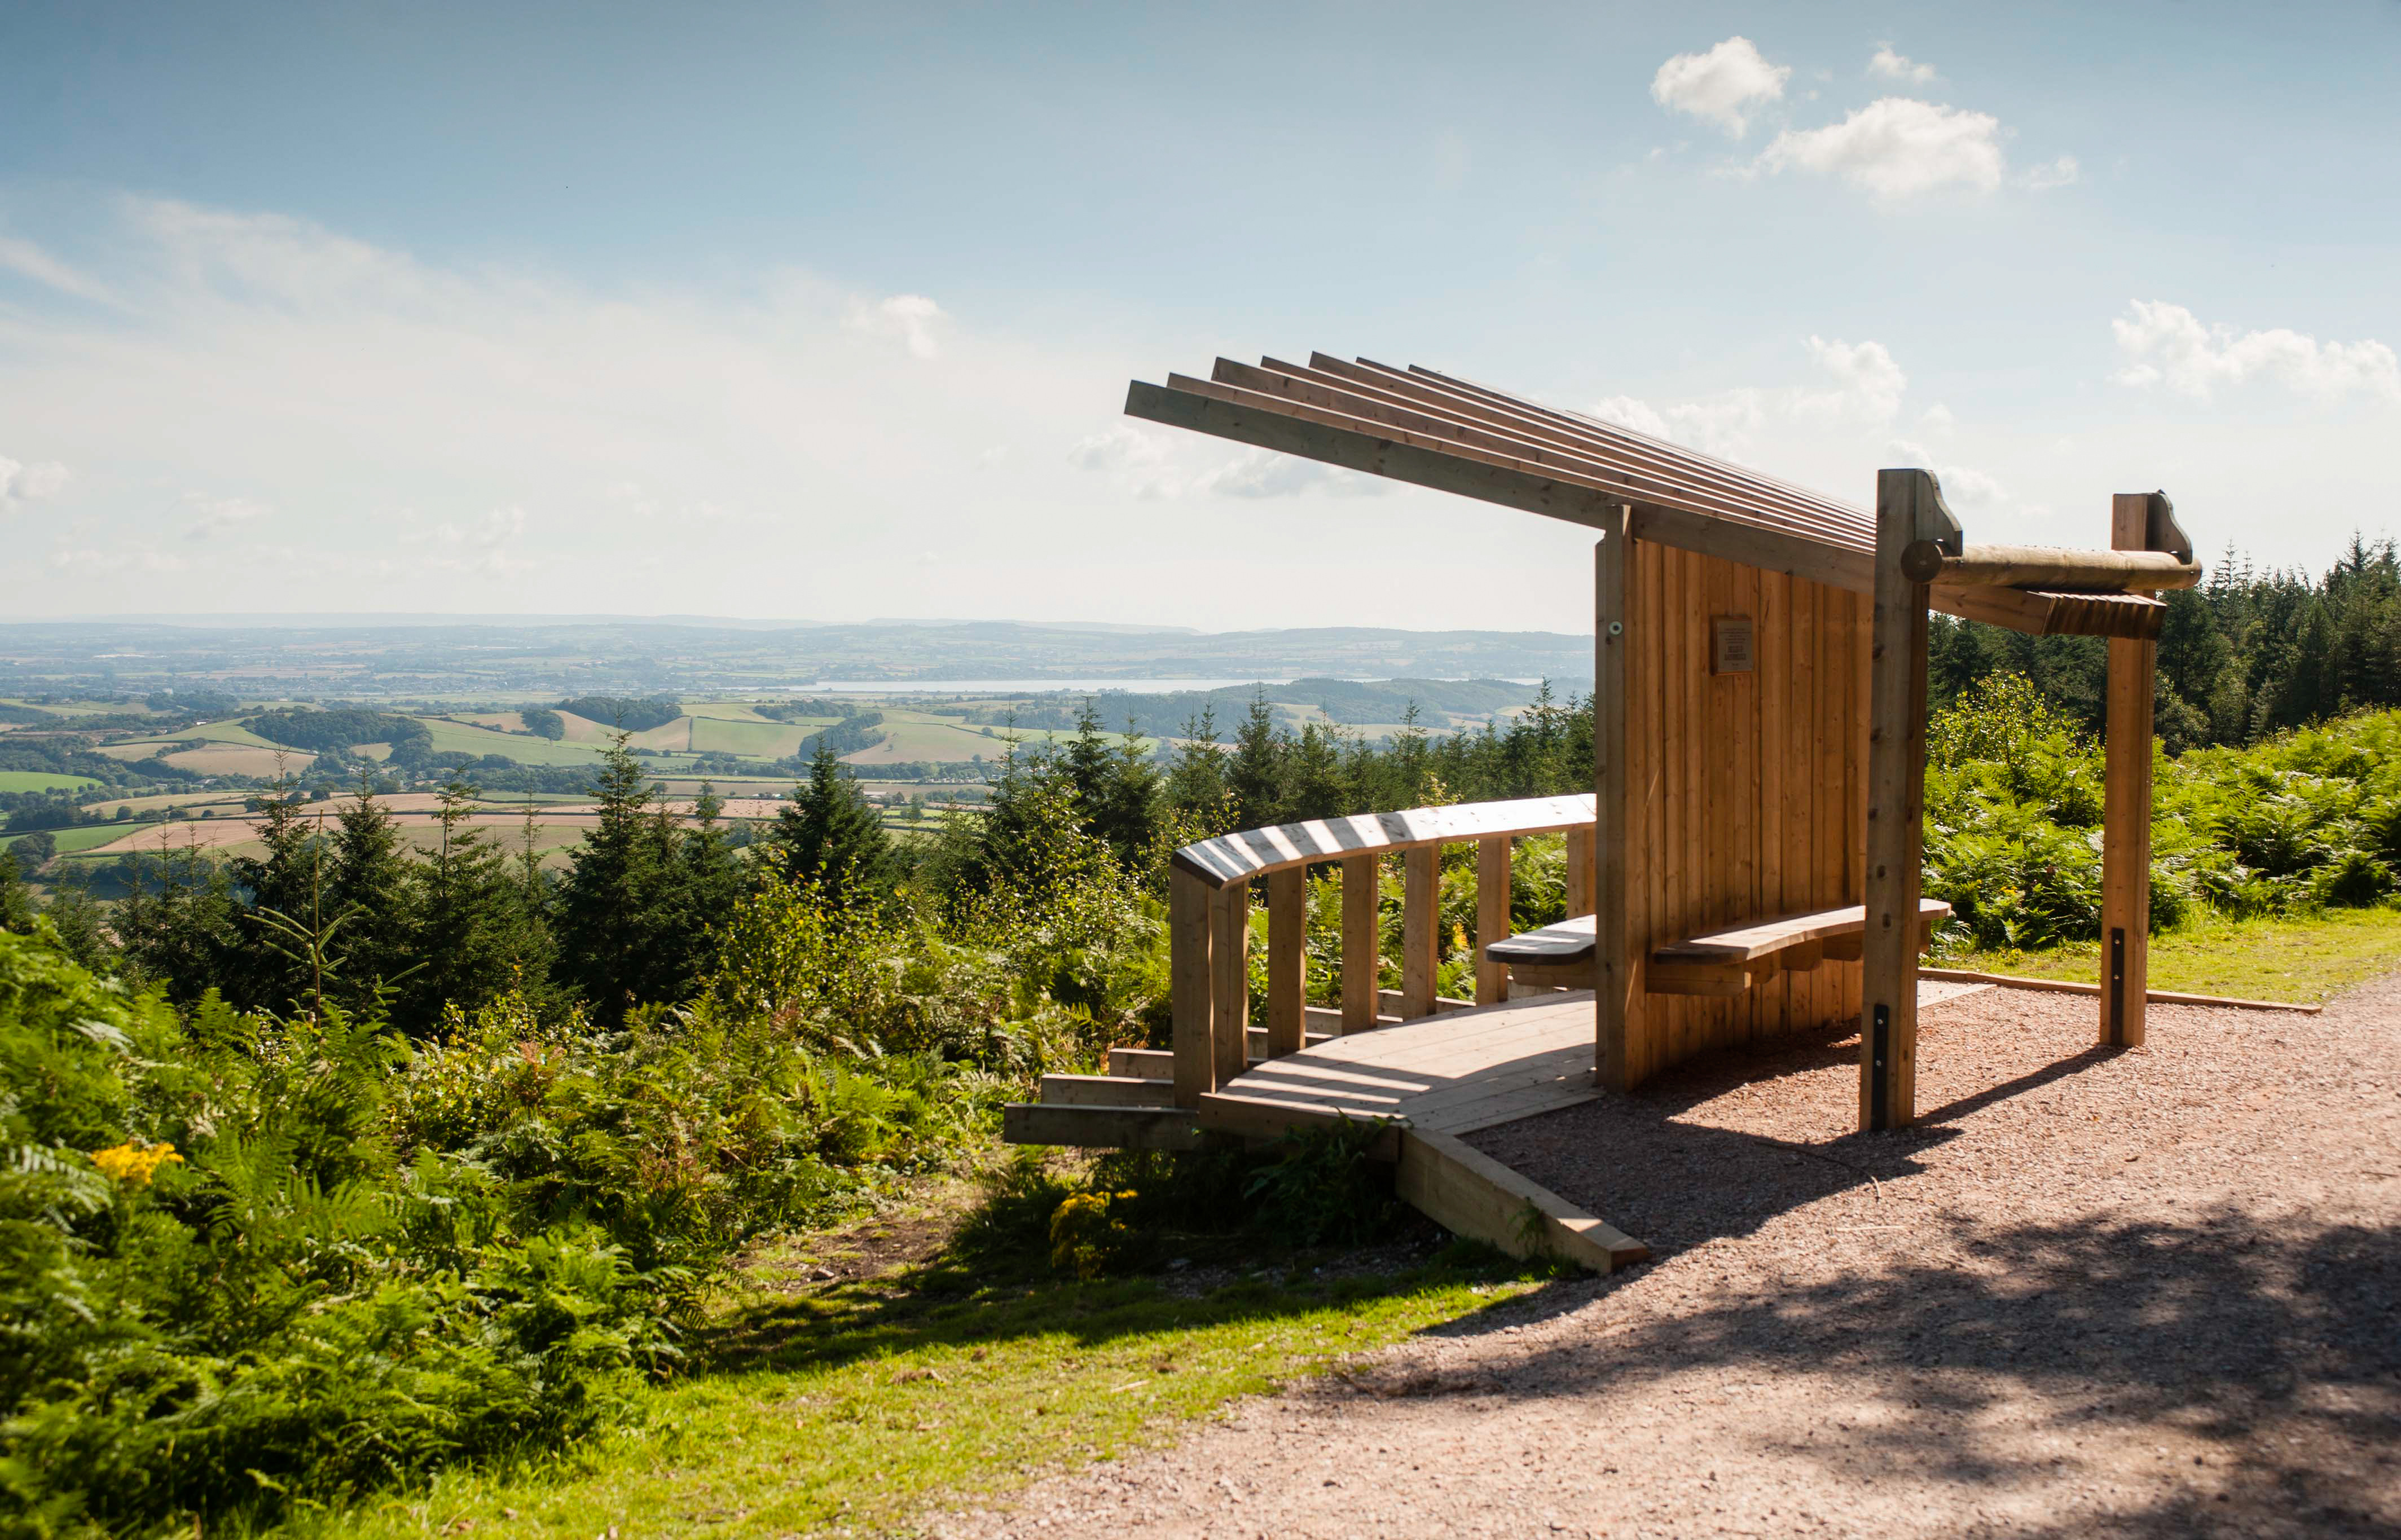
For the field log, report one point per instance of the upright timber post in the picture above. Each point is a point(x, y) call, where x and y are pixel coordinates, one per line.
point(2138, 521)
point(1615, 989)
point(1363, 943)
point(1189, 979)
point(1230, 981)
point(1492, 920)
point(1287, 960)
point(1420, 928)
point(1909, 508)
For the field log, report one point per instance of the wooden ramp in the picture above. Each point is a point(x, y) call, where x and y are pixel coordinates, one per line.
point(1427, 1082)
point(1453, 1073)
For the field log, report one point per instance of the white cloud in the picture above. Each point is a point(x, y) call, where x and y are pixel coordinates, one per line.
point(1868, 384)
point(484, 548)
point(28, 260)
point(1966, 489)
point(1630, 412)
point(216, 515)
point(2051, 173)
point(1896, 67)
point(1264, 473)
point(2168, 345)
point(1723, 86)
point(22, 484)
point(1148, 464)
point(1897, 147)
point(1864, 395)
point(911, 317)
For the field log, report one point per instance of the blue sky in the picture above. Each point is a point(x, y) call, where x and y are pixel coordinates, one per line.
point(828, 314)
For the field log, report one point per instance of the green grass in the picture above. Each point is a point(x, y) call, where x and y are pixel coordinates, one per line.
point(42, 781)
point(772, 740)
point(859, 1405)
point(460, 738)
point(2302, 960)
point(230, 731)
point(89, 836)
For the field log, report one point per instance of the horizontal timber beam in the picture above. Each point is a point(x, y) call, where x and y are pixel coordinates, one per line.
point(2135, 617)
point(2044, 567)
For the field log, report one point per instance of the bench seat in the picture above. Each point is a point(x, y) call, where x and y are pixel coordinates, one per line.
point(1722, 962)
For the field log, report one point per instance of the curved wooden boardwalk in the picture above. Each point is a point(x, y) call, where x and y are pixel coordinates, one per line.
point(1453, 1073)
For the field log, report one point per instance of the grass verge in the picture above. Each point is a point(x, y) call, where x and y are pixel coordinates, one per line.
point(2302, 960)
point(860, 1404)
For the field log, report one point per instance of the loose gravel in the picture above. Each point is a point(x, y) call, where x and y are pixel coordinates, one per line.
point(2147, 1292)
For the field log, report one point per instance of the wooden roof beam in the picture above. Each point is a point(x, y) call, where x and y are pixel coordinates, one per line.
point(2043, 566)
point(1314, 389)
point(1378, 449)
point(1755, 499)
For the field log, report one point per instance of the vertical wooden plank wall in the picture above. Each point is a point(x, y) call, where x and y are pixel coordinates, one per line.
point(1747, 794)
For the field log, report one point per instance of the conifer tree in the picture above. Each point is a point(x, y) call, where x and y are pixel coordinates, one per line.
point(474, 939)
point(1195, 780)
point(828, 835)
point(608, 907)
point(1254, 770)
point(368, 887)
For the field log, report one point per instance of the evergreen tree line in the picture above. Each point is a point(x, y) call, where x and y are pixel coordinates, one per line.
point(2252, 653)
point(340, 909)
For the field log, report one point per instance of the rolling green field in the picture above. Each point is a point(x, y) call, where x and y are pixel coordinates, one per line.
point(42, 781)
point(451, 736)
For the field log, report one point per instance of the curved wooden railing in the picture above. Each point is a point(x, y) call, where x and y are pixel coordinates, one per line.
point(1208, 884)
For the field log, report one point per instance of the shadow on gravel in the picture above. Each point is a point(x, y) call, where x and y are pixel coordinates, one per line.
point(2279, 1349)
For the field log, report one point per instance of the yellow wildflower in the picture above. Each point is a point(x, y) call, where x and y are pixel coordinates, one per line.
point(127, 1162)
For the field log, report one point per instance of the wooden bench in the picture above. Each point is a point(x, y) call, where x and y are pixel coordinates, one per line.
point(1720, 963)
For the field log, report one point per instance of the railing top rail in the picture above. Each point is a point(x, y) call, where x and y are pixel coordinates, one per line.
point(1250, 853)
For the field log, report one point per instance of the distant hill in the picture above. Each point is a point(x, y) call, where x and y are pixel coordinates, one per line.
point(429, 657)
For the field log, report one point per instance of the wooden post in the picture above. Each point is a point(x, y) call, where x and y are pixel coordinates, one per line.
point(1420, 928)
point(1189, 975)
point(1616, 997)
point(1230, 981)
point(2138, 521)
point(1363, 943)
point(1492, 916)
point(1287, 959)
point(1580, 847)
point(1909, 508)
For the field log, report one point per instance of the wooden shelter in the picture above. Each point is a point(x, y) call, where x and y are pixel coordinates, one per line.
point(1748, 861)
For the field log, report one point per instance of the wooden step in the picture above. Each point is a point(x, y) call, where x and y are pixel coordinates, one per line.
point(1107, 1091)
point(1099, 1127)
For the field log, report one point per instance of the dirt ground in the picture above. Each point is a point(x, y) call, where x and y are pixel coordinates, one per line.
point(2147, 1292)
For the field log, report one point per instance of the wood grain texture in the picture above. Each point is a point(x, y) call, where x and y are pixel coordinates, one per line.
point(1189, 981)
point(1287, 959)
point(1618, 1005)
point(1421, 928)
point(2126, 800)
point(1363, 959)
point(1896, 788)
point(1230, 982)
point(1492, 862)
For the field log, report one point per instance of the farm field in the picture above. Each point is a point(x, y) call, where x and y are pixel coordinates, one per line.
point(240, 759)
point(42, 781)
point(140, 806)
point(451, 736)
point(83, 836)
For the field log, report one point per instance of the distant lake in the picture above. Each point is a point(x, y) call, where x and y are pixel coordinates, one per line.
point(1019, 686)
point(1048, 686)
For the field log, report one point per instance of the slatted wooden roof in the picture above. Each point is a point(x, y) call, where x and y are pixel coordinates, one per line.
point(1435, 429)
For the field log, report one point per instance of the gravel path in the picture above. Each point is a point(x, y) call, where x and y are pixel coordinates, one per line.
point(2147, 1293)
